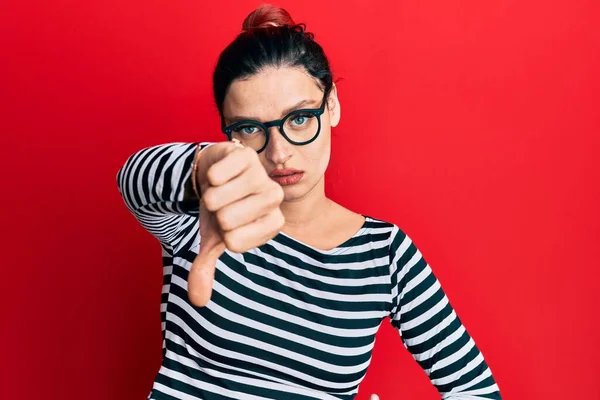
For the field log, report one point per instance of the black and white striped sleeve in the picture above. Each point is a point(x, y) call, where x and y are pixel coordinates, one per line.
point(152, 183)
point(431, 329)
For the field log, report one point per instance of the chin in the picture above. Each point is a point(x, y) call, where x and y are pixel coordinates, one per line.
point(293, 192)
point(298, 191)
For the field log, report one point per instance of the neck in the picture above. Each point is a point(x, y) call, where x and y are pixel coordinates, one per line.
point(305, 212)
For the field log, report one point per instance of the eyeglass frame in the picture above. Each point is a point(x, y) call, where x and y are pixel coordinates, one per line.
point(317, 112)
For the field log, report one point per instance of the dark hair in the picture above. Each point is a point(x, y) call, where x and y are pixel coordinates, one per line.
point(270, 38)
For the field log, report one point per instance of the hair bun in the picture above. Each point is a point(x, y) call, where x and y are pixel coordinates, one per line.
point(266, 16)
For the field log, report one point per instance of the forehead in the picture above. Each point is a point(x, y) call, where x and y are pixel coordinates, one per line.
point(270, 91)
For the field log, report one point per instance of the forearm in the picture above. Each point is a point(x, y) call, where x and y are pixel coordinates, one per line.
point(432, 331)
point(155, 184)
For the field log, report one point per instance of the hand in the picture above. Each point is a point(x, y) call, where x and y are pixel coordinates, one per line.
point(374, 397)
point(239, 210)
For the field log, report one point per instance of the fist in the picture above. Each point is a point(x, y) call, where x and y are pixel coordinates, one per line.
point(239, 210)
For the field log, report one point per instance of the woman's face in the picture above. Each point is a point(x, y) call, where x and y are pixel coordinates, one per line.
point(270, 95)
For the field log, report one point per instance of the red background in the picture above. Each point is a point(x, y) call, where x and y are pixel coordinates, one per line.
point(473, 125)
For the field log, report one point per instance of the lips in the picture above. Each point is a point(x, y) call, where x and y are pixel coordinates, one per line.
point(286, 177)
point(284, 172)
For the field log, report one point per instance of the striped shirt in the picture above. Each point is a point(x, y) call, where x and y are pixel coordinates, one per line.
point(287, 320)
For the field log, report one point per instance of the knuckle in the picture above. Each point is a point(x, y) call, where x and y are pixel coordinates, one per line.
point(210, 201)
point(245, 154)
point(250, 153)
point(275, 197)
point(228, 240)
point(279, 193)
point(212, 174)
point(224, 220)
point(233, 243)
point(279, 219)
point(262, 182)
point(273, 190)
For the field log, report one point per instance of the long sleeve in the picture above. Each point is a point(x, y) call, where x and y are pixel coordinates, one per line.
point(152, 183)
point(430, 328)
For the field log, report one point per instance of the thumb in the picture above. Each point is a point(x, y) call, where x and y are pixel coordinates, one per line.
point(202, 271)
point(374, 397)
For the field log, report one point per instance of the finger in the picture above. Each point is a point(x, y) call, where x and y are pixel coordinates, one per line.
point(243, 185)
point(232, 165)
point(374, 397)
point(248, 209)
point(255, 233)
point(202, 273)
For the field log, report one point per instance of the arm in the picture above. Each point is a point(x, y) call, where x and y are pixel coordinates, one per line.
point(431, 330)
point(155, 184)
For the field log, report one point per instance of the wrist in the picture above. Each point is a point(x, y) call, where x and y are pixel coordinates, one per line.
point(204, 158)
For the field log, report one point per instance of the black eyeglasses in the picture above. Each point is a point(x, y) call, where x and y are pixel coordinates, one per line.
point(299, 127)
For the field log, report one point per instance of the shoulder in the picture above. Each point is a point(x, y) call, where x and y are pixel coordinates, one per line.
point(398, 241)
point(381, 226)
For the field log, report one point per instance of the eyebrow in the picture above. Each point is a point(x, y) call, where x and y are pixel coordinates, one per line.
point(297, 106)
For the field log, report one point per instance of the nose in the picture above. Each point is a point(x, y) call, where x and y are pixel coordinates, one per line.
point(278, 149)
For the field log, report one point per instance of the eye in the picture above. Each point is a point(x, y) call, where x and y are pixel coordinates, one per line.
point(247, 129)
point(301, 119)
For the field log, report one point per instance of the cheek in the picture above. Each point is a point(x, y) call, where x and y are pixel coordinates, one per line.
point(317, 153)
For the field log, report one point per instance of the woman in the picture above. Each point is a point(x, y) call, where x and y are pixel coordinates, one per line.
point(272, 290)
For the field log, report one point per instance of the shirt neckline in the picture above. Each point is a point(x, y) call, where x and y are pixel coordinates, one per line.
point(338, 249)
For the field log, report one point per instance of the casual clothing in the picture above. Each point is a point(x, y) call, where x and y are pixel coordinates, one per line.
point(287, 320)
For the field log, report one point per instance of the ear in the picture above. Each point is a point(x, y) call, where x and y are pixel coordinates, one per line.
point(333, 107)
